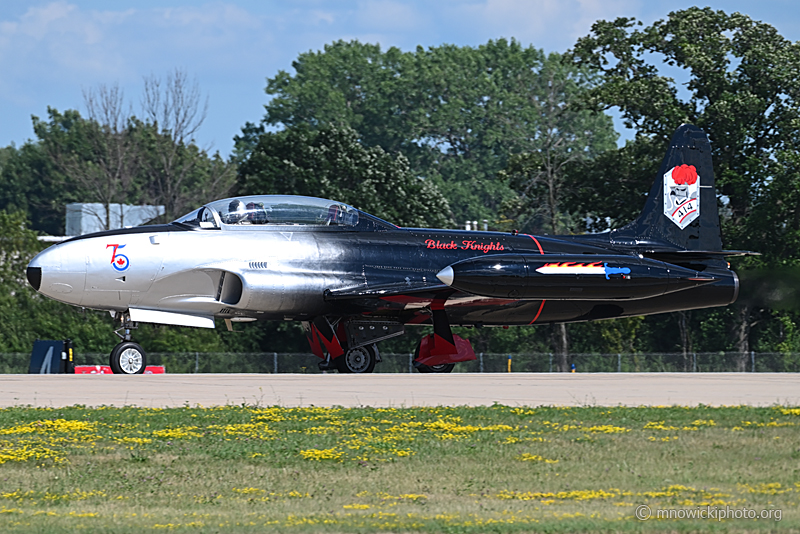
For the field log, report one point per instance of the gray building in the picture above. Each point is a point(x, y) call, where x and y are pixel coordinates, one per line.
point(85, 218)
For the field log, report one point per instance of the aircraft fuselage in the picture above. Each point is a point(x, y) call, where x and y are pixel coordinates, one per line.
point(293, 272)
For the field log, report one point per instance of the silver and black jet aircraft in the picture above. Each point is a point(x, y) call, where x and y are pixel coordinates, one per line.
point(354, 280)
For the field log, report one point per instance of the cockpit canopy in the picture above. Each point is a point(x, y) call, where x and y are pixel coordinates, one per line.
point(272, 209)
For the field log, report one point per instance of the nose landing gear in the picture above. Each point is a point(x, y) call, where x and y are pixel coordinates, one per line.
point(127, 358)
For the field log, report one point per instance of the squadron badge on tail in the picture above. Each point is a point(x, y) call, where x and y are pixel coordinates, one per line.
point(681, 195)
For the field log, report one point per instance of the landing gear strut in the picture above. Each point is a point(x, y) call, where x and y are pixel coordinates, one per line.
point(127, 358)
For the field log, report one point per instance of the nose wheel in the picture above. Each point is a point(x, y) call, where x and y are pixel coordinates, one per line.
point(128, 358)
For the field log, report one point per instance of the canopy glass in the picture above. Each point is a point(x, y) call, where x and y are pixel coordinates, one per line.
point(272, 209)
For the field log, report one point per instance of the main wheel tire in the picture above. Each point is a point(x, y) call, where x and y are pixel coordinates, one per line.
point(441, 368)
point(128, 358)
point(359, 360)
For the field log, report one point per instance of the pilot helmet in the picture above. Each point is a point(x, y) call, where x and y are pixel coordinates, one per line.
point(236, 211)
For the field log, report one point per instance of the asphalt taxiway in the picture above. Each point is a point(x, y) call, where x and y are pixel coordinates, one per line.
point(388, 390)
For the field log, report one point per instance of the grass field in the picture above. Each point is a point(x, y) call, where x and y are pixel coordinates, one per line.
point(497, 469)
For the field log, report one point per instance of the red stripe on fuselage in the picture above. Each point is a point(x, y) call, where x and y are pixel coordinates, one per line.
point(537, 243)
point(541, 307)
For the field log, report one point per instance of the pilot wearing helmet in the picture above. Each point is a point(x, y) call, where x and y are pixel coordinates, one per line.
point(237, 212)
point(256, 214)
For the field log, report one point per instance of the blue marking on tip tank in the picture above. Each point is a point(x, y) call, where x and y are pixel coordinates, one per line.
point(615, 270)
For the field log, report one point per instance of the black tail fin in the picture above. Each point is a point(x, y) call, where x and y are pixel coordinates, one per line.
point(681, 210)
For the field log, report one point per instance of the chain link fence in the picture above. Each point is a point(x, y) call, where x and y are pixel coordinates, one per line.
point(537, 362)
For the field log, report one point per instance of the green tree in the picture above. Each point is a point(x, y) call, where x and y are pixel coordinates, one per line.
point(741, 90)
point(330, 162)
point(609, 190)
point(563, 135)
point(456, 113)
point(348, 83)
point(31, 181)
point(468, 109)
point(243, 145)
point(180, 175)
point(111, 158)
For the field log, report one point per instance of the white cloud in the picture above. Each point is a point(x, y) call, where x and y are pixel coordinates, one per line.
point(38, 21)
point(226, 18)
point(59, 41)
point(389, 16)
point(217, 36)
point(550, 24)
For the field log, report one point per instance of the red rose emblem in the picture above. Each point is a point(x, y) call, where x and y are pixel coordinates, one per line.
point(684, 175)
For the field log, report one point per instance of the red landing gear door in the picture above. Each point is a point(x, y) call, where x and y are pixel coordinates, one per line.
point(464, 352)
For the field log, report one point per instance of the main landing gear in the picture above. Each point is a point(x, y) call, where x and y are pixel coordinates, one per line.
point(348, 346)
point(127, 358)
point(358, 360)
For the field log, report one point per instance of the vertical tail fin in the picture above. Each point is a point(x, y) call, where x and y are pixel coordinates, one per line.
point(681, 210)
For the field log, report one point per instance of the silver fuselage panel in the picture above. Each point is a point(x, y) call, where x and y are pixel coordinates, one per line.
point(269, 272)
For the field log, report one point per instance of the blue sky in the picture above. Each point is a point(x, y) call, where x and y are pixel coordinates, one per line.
point(50, 51)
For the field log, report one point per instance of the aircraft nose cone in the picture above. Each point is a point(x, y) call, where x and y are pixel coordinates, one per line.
point(446, 275)
point(57, 275)
point(34, 275)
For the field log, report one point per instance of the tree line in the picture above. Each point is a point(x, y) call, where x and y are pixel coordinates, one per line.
point(440, 136)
